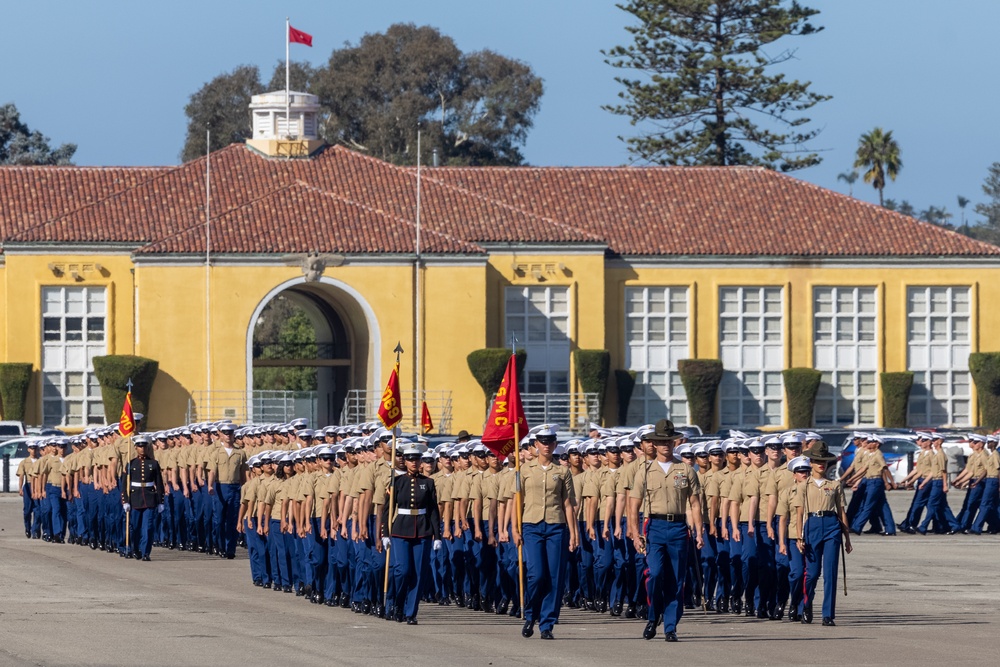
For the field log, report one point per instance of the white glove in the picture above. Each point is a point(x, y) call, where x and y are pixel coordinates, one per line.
point(160, 508)
point(385, 542)
point(436, 545)
point(126, 507)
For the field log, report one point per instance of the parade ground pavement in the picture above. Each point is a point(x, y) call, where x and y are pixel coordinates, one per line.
point(911, 600)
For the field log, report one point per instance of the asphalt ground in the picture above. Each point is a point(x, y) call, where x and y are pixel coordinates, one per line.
point(911, 600)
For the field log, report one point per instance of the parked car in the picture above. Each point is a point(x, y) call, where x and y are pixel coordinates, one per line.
point(10, 430)
point(16, 449)
point(895, 448)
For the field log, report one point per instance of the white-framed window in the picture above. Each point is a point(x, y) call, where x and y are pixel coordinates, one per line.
point(938, 343)
point(656, 338)
point(845, 350)
point(751, 347)
point(539, 318)
point(74, 323)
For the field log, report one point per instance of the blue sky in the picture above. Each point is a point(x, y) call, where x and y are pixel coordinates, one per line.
point(114, 77)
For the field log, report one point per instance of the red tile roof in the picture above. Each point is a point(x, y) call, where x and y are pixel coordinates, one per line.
point(342, 201)
point(30, 196)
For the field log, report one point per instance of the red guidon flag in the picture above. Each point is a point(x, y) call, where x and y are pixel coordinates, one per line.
point(299, 37)
point(126, 423)
point(390, 410)
point(425, 419)
point(499, 436)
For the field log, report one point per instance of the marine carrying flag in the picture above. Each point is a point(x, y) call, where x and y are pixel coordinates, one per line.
point(498, 435)
point(425, 419)
point(389, 409)
point(126, 423)
point(299, 37)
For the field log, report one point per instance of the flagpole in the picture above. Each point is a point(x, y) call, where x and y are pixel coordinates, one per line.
point(208, 268)
point(418, 363)
point(518, 500)
point(392, 495)
point(288, 79)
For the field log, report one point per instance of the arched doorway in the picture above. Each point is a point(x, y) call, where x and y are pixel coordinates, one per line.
point(309, 344)
point(300, 345)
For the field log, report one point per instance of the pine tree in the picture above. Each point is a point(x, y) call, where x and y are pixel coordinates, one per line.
point(706, 93)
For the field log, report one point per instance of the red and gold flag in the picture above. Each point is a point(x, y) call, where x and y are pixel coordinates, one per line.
point(499, 436)
point(126, 423)
point(425, 419)
point(390, 410)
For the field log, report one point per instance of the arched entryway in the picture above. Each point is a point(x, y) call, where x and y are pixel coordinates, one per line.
point(308, 345)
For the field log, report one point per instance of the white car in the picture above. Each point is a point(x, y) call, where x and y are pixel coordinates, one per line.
point(16, 449)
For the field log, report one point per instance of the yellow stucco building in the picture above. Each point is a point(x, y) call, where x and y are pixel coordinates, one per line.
point(655, 265)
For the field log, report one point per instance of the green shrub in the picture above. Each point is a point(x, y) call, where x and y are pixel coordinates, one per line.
point(488, 365)
point(113, 372)
point(592, 369)
point(985, 370)
point(14, 381)
point(625, 384)
point(801, 385)
point(895, 397)
point(701, 378)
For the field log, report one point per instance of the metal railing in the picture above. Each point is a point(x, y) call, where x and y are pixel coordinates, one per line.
point(257, 406)
point(362, 406)
point(571, 411)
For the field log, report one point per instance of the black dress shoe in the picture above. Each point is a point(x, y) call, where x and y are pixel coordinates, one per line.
point(528, 629)
point(827, 621)
point(616, 609)
point(287, 589)
point(267, 585)
point(145, 558)
point(807, 617)
point(257, 582)
point(709, 605)
point(27, 534)
point(503, 607)
point(547, 634)
point(650, 630)
point(793, 616)
point(515, 611)
point(671, 637)
point(412, 620)
point(330, 603)
point(630, 611)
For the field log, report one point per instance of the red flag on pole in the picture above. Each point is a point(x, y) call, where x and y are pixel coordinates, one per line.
point(498, 436)
point(425, 419)
point(390, 409)
point(126, 423)
point(299, 37)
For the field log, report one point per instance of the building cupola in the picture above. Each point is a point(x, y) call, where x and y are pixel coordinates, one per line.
point(285, 127)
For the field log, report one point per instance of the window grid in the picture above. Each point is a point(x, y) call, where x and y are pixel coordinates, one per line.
point(656, 338)
point(751, 342)
point(539, 318)
point(845, 350)
point(938, 344)
point(74, 321)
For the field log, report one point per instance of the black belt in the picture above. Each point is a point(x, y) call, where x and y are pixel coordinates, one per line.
point(825, 513)
point(673, 518)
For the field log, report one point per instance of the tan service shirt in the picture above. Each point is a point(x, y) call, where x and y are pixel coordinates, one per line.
point(665, 492)
point(545, 490)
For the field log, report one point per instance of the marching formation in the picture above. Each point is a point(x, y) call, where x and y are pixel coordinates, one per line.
point(637, 525)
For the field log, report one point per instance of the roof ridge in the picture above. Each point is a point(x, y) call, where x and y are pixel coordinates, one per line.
point(385, 214)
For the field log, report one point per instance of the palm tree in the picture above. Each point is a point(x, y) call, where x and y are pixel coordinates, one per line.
point(848, 177)
point(962, 203)
point(878, 154)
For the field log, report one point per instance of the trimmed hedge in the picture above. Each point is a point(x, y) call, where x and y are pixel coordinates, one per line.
point(895, 398)
point(801, 385)
point(14, 381)
point(985, 370)
point(488, 364)
point(592, 369)
point(625, 384)
point(701, 378)
point(113, 372)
